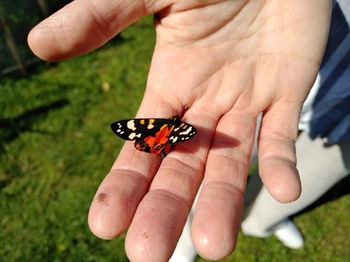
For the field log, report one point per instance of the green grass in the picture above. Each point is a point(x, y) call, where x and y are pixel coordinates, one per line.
point(56, 146)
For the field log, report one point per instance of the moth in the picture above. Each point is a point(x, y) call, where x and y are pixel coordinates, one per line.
point(154, 135)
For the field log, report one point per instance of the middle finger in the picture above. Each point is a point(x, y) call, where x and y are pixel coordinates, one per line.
point(160, 217)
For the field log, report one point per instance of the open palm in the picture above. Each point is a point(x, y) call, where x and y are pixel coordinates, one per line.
point(219, 64)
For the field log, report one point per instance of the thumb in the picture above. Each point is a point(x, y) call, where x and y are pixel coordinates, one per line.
point(83, 26)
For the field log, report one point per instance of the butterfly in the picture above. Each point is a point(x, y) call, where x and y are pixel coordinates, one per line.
point(154, 135)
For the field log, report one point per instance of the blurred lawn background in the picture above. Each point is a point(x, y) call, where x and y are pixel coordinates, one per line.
point(56, 147)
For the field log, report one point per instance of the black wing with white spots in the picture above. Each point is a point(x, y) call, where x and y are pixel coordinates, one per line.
point(182, 132)
point(138, 128)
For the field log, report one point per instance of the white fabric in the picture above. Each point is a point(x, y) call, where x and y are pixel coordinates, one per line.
point(306, 112)
point(319, 167)
point(185, 250)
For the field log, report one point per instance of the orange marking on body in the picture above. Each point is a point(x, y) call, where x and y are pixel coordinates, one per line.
point(163, 134)
point(160, 139)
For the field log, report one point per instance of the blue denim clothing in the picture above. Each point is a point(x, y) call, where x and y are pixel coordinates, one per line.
point(330, 117)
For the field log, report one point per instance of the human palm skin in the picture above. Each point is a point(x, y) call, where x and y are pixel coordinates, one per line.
point(219, 64)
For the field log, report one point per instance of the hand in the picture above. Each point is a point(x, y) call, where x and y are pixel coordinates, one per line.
point(219, 64)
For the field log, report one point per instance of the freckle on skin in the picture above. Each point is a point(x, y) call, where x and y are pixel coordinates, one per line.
point(103, 199)
point(145, 235)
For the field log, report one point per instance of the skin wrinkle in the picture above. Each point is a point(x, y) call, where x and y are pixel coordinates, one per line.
point(246, 114)
point(194, 165)
point(282, 54)
point(277, 158)
point(280, 87)
point(178, 173)
point(258, 34)
point(245, 102)
point(195, 5)
point(56, 28)
point(246, 35)
point(207, 82)
point(227, 143)
point(189, 100)
point(287, 154)
point(55, 36)
point(255, 18)
point(209, 75)
point(226, 106)
point(179, 186)
point(234, 175)
point(173, 196)
point(279, 138)
point(170, 101)
point(231, 188)
point(142, 181)
point(288, 157)
point(132, 173)
point(273, 137)
point(279, 76)
point(234, 191)
point(153, 6)
point(239, 147)
point(213, 75)
point(225, 22)
point(220, 91)
point(286, 101)
point(289, 136)
point(180, 161)
point(108, 22)
point(168, 25)
point(100, 21)
point(235, 155)
point(241, 101)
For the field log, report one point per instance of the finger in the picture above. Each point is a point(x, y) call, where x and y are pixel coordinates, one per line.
point(82, 26)
point(123, 188)
point(221, 199)
point(161, 215)
point(277, 161)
